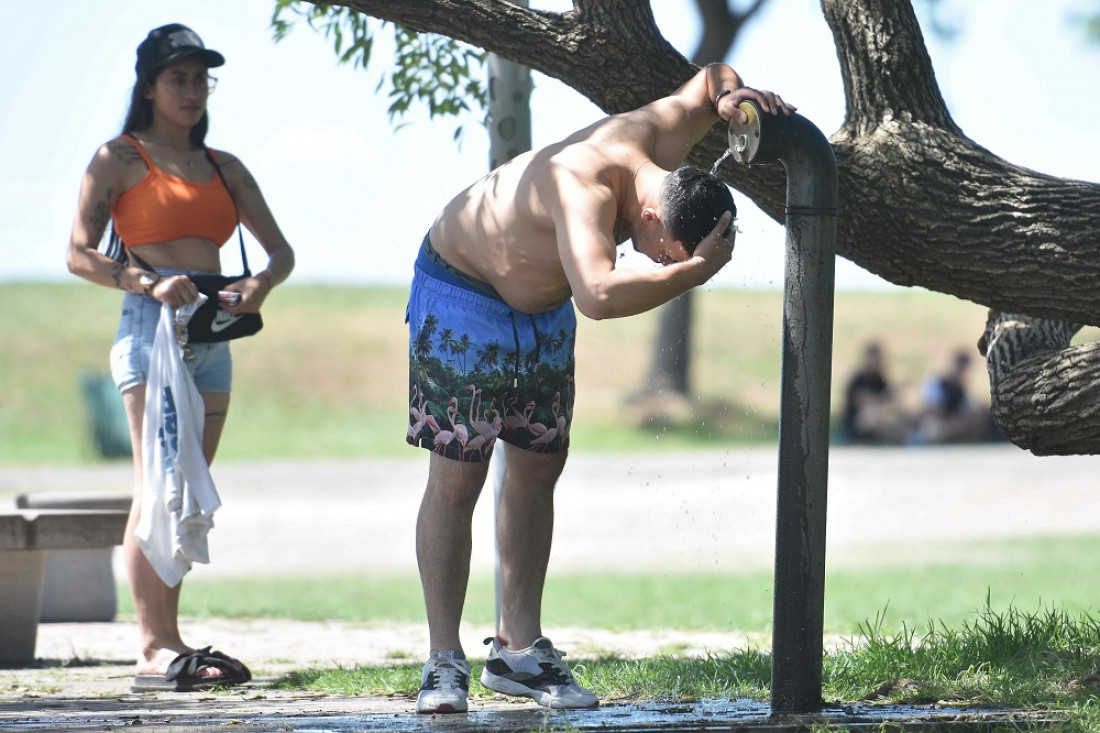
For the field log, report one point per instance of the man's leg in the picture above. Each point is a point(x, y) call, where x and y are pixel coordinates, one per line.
point(443, 540)
point(525, 528)
point(521, 660)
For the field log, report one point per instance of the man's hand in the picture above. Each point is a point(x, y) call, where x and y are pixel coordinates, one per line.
point(769, 102)
point(715, 250)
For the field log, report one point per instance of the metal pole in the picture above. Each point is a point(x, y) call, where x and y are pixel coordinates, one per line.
point(509, 135)
point(799, 604)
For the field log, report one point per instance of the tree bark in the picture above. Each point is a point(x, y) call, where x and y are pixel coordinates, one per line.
point(920, 203)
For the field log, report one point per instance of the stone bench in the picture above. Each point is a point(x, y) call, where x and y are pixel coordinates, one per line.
point(79, 584)
point(27, 537)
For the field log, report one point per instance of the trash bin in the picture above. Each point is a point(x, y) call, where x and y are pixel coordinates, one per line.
point(107, 415)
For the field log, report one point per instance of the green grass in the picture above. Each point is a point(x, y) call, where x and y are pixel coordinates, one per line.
point(1042, 661)
point(327, 377)
point(1018, 573)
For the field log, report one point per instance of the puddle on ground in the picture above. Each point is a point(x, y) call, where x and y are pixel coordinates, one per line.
point(744, 716)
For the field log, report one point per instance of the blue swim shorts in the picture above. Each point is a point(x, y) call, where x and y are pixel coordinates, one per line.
point(211, 365)
point(480, 370)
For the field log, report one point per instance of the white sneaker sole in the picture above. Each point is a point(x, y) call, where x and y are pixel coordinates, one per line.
point(446, 707)
point(505, 686)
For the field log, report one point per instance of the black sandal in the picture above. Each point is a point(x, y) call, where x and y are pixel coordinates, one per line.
point(184, 674)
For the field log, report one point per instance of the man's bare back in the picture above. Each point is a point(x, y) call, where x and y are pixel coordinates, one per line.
point(543, 227)
point(501, 230)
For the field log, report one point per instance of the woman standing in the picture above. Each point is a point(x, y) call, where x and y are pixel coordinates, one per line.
point(174, 206)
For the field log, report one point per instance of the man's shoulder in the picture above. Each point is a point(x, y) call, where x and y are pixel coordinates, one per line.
point(581, 165)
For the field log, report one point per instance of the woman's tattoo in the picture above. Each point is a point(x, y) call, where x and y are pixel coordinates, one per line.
point(127, 152)
point(116, 274)
point(101, 215)
point(231, 165)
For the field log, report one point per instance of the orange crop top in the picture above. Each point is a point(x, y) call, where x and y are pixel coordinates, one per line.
point(164, 207)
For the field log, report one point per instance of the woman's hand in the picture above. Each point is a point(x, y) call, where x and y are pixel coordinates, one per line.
point(175, 290)
point(253, 292)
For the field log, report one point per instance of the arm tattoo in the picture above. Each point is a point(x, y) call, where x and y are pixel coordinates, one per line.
point(101, 215)
point(116, 274)
point(232, 165)
point(126, 152)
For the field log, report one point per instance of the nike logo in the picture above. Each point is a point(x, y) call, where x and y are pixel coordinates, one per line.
point(223, 319)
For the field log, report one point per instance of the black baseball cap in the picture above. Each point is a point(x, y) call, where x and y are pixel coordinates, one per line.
point(171, 43)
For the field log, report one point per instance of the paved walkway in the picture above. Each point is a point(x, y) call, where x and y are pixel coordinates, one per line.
point(711, 510)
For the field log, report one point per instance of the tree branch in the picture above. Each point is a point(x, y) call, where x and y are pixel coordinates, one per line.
point(1045, 393)
point(887, 72)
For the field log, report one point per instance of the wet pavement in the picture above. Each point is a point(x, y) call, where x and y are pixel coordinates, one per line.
point(263, 712)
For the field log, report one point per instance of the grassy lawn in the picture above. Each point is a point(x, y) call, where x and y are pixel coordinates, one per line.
point(1029, 575)
point(328, 375)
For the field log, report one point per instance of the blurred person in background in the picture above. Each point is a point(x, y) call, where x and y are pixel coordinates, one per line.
point(947, 415)
point(872, 412)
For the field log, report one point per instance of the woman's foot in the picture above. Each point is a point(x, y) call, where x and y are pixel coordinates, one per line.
point(188, 671)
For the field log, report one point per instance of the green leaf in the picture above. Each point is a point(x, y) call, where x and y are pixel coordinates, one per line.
point(436, 72)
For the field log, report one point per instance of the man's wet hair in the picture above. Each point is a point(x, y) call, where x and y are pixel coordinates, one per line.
point(692, 202)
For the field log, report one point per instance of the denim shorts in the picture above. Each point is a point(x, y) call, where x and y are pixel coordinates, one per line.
point(211, 365)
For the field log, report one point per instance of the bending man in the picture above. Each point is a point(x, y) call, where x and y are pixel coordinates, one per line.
point(491, 334)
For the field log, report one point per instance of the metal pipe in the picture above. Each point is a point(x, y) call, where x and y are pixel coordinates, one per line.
point(799, 593)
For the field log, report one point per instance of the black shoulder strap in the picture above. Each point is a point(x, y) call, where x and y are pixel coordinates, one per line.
point(240, 235)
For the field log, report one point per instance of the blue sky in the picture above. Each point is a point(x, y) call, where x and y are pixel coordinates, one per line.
point(354, 197)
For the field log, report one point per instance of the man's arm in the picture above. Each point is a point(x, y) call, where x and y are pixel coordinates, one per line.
point(681, 119)
point(726, 91)
point(586, 248)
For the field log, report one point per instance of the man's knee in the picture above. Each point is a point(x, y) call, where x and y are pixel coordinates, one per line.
point(539, 471)
point(455, 483)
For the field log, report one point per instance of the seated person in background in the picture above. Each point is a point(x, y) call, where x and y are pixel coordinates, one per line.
point(871, 410)
point(947, 415)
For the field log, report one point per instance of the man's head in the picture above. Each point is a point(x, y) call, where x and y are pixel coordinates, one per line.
point(872, 357)
point(960, 362)
point(679, 211)
point(691, 204)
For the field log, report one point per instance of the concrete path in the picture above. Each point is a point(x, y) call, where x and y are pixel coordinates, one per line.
point(711, 510)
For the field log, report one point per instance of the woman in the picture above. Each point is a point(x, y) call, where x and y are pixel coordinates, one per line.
point(170, 205)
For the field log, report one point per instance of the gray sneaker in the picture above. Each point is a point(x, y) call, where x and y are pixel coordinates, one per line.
point(537, 672)
point(444, 685)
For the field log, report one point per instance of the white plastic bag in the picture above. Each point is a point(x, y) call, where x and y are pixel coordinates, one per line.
point(178, 496)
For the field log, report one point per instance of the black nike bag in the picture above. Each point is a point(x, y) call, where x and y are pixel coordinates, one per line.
point(211, 322)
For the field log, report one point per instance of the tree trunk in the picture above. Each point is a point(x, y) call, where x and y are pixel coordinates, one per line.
point(920, 203)
point(670, 367)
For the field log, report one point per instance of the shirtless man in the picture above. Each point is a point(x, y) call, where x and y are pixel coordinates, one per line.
point(491, 333)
